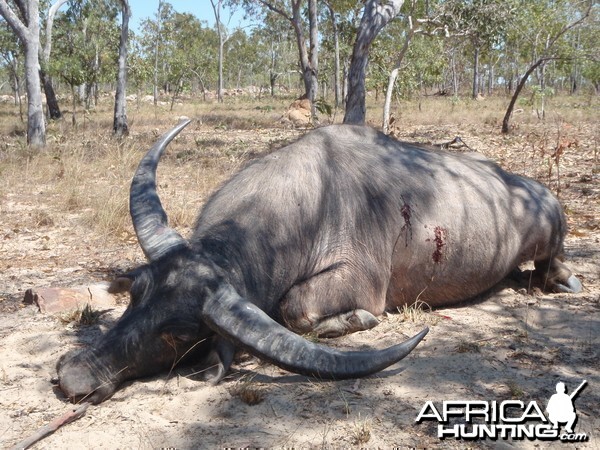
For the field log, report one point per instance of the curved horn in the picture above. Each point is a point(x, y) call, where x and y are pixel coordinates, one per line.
point(148, 216)
point(247, 325)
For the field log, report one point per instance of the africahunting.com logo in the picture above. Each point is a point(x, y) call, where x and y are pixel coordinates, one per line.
point(509, 419)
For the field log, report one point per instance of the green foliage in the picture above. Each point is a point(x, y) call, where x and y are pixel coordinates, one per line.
point(323, 107)
point(510, 35)
point(185, 49)
point(86, 39)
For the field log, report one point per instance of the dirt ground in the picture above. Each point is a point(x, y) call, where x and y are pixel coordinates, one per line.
point(508, 344)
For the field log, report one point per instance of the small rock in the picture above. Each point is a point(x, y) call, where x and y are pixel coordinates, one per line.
point(53, 300)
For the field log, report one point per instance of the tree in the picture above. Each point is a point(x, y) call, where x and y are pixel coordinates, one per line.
point(375, 16)
point(223, 38)
point(546, 37)
point(11, 53)
point(51, 101)
point(86, 43)
point(156, 51)
point(120, 127)
point(337, 85)
point(27, 28)
point(308, 51)
point(394, 75)
point(484, 22)
point(186, 50)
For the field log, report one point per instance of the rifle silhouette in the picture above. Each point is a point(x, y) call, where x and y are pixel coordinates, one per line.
point(576, 391)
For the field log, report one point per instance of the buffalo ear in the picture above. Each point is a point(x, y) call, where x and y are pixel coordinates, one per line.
point(120, 284)
point(124, 282)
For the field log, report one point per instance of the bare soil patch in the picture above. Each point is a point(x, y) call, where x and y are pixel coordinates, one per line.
point(63, 222)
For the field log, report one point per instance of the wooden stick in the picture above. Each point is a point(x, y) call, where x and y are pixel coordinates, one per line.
point(74, 414)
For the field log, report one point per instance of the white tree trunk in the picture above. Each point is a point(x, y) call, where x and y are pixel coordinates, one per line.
point(156, 44)
point(30, 38)
point(120, 127)
point(36, 126)
point(388, 100)
point(222, 38)
point(394, 75)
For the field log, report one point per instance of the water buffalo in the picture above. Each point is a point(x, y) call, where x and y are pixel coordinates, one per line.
point(320, 236)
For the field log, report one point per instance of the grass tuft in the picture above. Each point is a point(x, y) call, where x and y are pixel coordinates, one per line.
point(85, 316)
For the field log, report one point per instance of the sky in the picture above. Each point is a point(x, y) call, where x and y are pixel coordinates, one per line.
point(142, 9)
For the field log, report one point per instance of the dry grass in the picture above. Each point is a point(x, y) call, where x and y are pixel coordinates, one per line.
point(361, 431)
point(248, 391)
point(88, 172)
point(82, 316)
point(490, 111)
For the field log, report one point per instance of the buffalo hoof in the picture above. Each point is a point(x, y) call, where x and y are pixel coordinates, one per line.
point(348, 322)
point(572, 286)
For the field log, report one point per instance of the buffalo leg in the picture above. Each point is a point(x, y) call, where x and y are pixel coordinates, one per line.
point(557, 277)
point(323, 304)
point(349, 322)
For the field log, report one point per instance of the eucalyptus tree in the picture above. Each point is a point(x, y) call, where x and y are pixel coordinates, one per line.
point(418, 19)
point(186, 50)
point(11, 53)
point(543, 27)
point(484, 23)
point(120, 126)
point(589, 52)
point(276, 44)
point(140, 69)
point(376, 16)
point(87, 36)
point(338, 30)
point(308, 47)
point(46, 78)
point(23, 17)
point(224, 35)
point(159, 18)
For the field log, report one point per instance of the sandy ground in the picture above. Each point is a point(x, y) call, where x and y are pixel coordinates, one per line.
point(508, 344)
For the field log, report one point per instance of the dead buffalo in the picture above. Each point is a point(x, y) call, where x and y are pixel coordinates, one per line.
point(321, 236)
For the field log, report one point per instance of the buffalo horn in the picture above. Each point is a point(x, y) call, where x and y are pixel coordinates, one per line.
point(149, 218)
point(248, 326)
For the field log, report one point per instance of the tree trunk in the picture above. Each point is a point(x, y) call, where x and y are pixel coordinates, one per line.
point(308, 62)
point(311, 81)
point(120, 127)
point(454, 75)
point(337, 85)
point(217, 12)
point(394, 75)
point(519, 88)
point(51, 101)
point(16, 84)
point(220, 62)
point(375, 17)
point(272, 80)
point(476, 72)
point(156, 43)
point(29, 34)
point(36, 126)
point(388, 100)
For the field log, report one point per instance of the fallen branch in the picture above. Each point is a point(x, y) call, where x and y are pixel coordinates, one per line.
point(69, 416)
point(457, 142)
